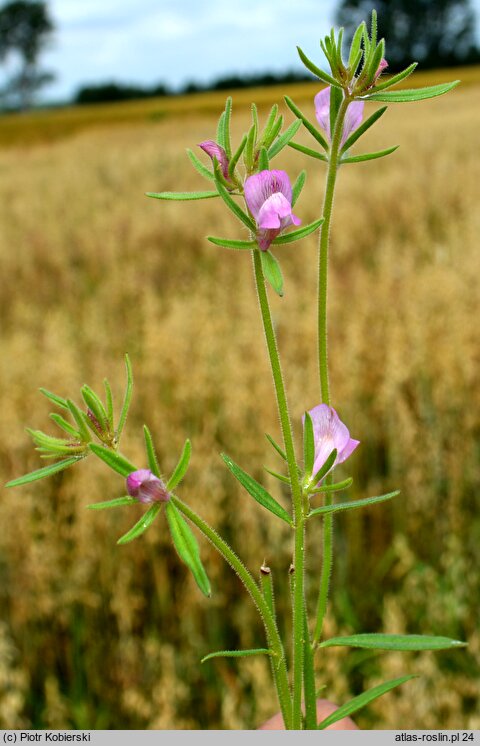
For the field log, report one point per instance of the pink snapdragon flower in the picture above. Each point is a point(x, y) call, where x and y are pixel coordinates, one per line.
point(214, 150)
point(268, 195)
point(330, 433)
point(146, 487)
point(352, 120)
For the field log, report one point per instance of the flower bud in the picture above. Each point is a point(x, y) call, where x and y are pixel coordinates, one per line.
point(146, 487)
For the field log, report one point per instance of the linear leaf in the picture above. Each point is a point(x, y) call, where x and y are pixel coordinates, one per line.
point(117, 502)
point(412, 94)
point(226, 127)
point(182, 466)
point(236, 209)
point(308, 151)
point(363, 699)
point(298, 234)
point(141, 526)
point(181, 196)
point(221, 130)
point(280, 477)
point(369, 156)
point(363, 128)
point(58, 400)
point(151, 454)
point(199, 166)
point(388, 82)
point(298, 186)
point(127, 397)
point(236, 653)
point(109, 403)
point(307, 124)
point(45, 471)
point(113, 460)
point(332, 487)
point(187, 547)
point(81, 419)
point(353, 504)
point(256, 490)
point(308, 444)
point(316, 70)
point(272, 271)
point(263, 163)
point(394, 642)
point(284, 139)
point(232, 243)
point(325, 468)
point(94, 404)
point(236, 156)
point(66, 426)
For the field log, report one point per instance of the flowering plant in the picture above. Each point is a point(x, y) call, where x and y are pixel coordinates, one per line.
point(263, 200)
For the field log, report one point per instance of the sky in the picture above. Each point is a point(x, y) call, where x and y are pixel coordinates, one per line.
point(147, 42)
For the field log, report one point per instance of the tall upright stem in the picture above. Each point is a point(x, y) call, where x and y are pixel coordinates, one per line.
point(299, 518)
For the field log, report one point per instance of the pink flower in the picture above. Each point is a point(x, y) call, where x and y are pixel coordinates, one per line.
point(330, 433)
point(382, 66)
point(352, 119)
point(214, 150)
point(268, 195)
point(146, 487)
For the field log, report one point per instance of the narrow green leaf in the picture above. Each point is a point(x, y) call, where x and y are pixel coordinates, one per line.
point(325, 468)
point(236, 156)
point(332, 487)
point(308, 444)
point(113, 460)
point(256, 490)
point(141, 526)
point(336, 96)
point(66, 426)
point(236, 653)
point(377, 57)
point(355, 48)
point(199, 166)
point(221, 130)
point(249, 147)
point(127, 398)
point(308, 151)
point(182, 466)
point(412, 94)
point(236, 209)
point(45, 471)
point(275, 131)
point(394, 79)
point(272, 271)
point(284, 138)
point(186, 545)
point(266, 134)
point(316, 70)
point(369, 156)
point(117, 502)
point(353, 504)
point(109, 403)
point(394, 642)
point(280, 477)
point(298, 186)
point(278, 449)
point(254, 112)
point(363, 699)
point(306, 230)
point(307, 124)
point(309, 678)
point(226, 127)
point(363, 128)
point(181, 196)
point(373, 27)
point(151, 454)
point(94, 404)
point(81, 419)
point(232, 243)
point(58, 400)
point(263, 164)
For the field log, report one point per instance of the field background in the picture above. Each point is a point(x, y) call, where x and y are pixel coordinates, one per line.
point(97, 636)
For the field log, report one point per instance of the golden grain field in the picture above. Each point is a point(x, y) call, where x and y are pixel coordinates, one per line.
point(97, 636)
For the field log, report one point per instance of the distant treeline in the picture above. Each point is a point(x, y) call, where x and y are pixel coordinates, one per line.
point(111, 91)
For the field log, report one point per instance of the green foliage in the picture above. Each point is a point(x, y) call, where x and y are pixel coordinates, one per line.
point(187, 547)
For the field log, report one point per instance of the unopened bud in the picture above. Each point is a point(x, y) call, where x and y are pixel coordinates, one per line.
point(146, 487)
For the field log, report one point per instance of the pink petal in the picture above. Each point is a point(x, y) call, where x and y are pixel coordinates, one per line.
point(275, 207)
point(330, 433)
point(259, 187)
point(214, 150)
point(322, 110)
point(348, 450)
point(353, 119)
point(382, 66)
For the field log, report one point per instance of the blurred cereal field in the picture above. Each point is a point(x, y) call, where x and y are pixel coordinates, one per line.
point(97, 636)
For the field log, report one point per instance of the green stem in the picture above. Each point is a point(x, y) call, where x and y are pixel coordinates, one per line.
point(323, 349)
point(299, 518)
point(275, 643)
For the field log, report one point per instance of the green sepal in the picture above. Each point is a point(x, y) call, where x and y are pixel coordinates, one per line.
point(308, 444)
point(307, 124)
point(108, 403)
point(363, 699)
point(363, 128)
point(127, 397)
point(317, 71)
point(58, 400)
point(324, 469)
point(151, 453)
point(272, 271)
point(64, 425)
point(332, 487)
point(236, 156)
point(280, 477)
point(117, 502)
point(369, 156)
point(232, 243)
point(181, 196)
point(394, 642)
point(199, 166)
point(236, 653)
point(308, 151)
point(256, 490)
point(232, 205)
point(181, 467)
point(187, 547)
point(395, 78)
point(116, 462)
point(353, 504)
point(412, 94)
point(45, 471)
point(263, 164)
point(141, 526)
point(284, 139)
point(306, 230)
point(298, 186)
